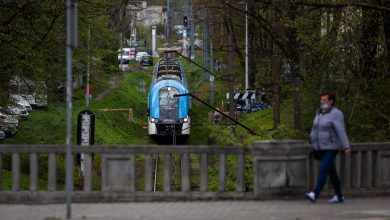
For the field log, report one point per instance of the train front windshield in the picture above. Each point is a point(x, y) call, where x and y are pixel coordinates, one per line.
point(167, 99)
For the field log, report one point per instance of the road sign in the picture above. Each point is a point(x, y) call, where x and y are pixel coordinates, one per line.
point(85, 128)
point(85, 134)
point(142, 86)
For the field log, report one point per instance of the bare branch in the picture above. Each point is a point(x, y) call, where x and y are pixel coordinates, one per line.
point(342, 5)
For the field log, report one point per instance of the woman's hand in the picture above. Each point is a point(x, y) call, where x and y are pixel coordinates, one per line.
point(347, 151)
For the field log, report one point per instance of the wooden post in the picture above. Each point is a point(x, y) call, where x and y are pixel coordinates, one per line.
point(130, 116)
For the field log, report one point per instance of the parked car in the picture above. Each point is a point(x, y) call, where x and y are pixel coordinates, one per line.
point(241, 106)
point(124, 55)
point(8, 123)
point(30, 98)
point(18, 100)
point(2, 135)
point(146, 60)
point(252, 107)
point(260, 106)
point(18, 111)
point(139, 55)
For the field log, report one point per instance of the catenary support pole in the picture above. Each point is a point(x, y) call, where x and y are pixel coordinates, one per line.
point(71, 43)
point(87, 88)
point(246, 54)
point(211, 68)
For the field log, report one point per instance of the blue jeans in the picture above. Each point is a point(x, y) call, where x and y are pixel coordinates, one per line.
point(327, 167)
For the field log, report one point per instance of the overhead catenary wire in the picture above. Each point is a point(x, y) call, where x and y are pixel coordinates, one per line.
point(198, 65)
point(217, 110)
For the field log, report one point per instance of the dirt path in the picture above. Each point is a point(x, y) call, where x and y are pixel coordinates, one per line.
point(113, 81)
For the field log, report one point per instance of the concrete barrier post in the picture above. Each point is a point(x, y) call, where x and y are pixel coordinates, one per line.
point(281, 167)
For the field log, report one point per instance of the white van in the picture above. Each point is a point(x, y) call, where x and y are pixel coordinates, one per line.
point(126, 55)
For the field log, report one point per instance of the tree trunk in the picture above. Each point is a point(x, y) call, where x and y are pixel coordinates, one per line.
point(369, 42)
point(275, 88)
point(4, 85)
point(294, 59)
point(252, 51)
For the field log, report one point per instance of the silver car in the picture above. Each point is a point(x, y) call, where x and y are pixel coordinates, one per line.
point(19, 101)
point(8, 123)
point(18, 110)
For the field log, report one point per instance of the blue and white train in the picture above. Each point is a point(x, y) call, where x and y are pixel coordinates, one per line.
point(168, 115)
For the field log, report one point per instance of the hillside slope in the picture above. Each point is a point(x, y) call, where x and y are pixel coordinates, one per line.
point(113, 127)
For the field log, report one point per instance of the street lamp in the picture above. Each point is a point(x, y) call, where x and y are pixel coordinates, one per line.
point(246, 48)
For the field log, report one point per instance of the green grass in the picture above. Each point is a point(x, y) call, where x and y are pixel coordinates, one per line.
point(24, 181)
point(113, 127)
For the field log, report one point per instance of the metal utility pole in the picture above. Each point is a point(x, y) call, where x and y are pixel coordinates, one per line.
point(187, 14)
point(275, 87)
point(87, 88)
point(185, 39)
point(275, 81)
point(121, 47)
point(188, 31)
point(168, 20)
point(133, 34)
point(71, 43)
point(246, 52)
point(192, 31)
point(211, 69)
point(154, 53)
point(204, 19)
point(231, 86)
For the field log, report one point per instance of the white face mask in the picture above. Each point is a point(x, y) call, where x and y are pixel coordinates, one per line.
point(324, 106)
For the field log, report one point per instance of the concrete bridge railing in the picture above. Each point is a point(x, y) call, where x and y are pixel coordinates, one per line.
point(126, 173)
point(118, 172)
point(288, 167)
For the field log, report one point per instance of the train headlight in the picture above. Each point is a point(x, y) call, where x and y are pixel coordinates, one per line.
point(152, 120)
point(186, 119)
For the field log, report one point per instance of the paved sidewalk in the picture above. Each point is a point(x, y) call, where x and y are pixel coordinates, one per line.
point(357, 208)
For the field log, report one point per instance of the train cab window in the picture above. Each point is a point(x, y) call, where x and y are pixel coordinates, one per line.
point(169, 71)
point(166, 97)
point(168, 76)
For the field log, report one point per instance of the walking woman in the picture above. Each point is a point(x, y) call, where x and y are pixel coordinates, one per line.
point(328, 137)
